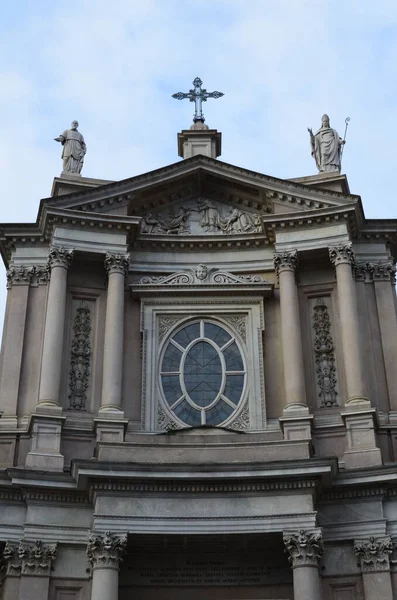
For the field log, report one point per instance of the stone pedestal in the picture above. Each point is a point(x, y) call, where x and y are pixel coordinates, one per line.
point(105, 553)
point(45, 451)
point(305, 550)
point(374, 559)
point(199, 139)
point(361, 442)
point(295, 421)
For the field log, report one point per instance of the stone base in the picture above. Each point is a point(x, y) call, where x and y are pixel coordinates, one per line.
point(296, 422)
point(110, 427)
point(45, 453)
point(360, 421)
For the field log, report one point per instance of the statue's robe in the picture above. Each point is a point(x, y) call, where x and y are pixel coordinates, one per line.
point(74, 149)
point(327, 147)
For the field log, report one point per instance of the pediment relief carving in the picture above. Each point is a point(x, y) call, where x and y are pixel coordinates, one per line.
point(201, 216)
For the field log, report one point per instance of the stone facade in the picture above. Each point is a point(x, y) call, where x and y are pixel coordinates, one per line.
point(198, 389)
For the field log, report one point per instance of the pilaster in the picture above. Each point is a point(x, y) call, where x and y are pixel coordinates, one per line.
point(295, 421)
point(28, 568)
point(305, 550)
point(358, 415)
point(105, 552)
point(374, 560)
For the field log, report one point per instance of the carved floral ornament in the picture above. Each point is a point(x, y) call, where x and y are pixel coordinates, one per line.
point(27, 275)
point(375, 271)
point(374, 554)
point(79, 372)
point(324, 355)
point(304, 548)
point(285, 261)
point(29, 558)
point(106, 550)
point(341, 254)
point(60, 257)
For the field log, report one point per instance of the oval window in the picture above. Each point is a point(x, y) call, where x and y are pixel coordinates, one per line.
point(203, 374)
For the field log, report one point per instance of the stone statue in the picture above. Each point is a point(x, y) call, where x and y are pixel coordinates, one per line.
point(326, 147)
point(74, 149)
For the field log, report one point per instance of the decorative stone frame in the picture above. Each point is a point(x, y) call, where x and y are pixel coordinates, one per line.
point(160, 317)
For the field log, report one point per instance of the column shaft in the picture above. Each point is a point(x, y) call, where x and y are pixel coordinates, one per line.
point(307, 583)
point(113, 350)
point(294, 378)
point(51, 366)
point(105, 584)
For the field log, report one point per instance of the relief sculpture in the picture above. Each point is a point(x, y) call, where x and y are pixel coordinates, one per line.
point(202, 216)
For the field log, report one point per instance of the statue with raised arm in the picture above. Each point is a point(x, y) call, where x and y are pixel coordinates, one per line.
point(74, 149)
point(326, 147)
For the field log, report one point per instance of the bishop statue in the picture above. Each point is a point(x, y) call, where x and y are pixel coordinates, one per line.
point(74, 150)
point(326, 147)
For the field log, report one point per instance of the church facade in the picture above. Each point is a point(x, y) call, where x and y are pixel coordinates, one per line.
point(198, 389)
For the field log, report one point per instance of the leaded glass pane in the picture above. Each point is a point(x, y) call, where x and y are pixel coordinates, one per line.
point(187, 334)
point(202, 373)
point(188, 414)
point(216, 334)
point(234, 387)
point(218, 413)
point(234, 361)
point(171, 387)
point(172, 359)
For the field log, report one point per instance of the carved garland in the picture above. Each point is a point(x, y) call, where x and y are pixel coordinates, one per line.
point(324, 355)
point(80, 358)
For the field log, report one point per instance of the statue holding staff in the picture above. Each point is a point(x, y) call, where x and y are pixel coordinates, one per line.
point(74, 149)
point(326, 147)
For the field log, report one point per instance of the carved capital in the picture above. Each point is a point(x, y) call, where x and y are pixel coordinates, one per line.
point(27, 275)
point(60, 257)
point(304, 548)
point(117, 263)
point(341, 254)
point(374, 554)
point(29, 558)
point(375, 271)
point(285, 261)
point(106, 551)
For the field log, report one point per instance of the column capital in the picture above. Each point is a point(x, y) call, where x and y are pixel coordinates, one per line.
point(341, 254)
point(117, 263)
point(105, 551)
point(375, 271)
point(59, 256)
point(285, 261)
point(304, 548)
point(374, 554)
point(29, 558)
point(27, 275)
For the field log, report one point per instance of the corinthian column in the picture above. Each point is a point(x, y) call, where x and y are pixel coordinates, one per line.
point(305, 550)
point(294, 381)
point(59, 260)
point(342, 257)
point(374, 559)
point(105, 553)
point(116, 266)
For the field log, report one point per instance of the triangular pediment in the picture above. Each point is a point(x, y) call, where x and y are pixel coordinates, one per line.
point(201, 176)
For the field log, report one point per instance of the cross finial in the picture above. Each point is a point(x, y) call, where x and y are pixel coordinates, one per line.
point(198, 95)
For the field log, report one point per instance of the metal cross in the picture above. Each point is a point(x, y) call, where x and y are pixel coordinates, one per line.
point(198, 96)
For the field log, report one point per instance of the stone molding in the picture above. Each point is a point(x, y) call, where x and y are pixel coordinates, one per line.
point(29, 558)
point(187, 487)
point(342, 254)
point(27, 275)
point(304, 548)
point(105, 551)
point(374, 554)
point(375, 271)
point(60, 257)
point(117, 263)
point(285, 261)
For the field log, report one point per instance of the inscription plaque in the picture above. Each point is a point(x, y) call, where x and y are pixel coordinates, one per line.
point(175, 571)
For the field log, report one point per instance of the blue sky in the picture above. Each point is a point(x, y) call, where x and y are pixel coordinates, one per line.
point(114, 65)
